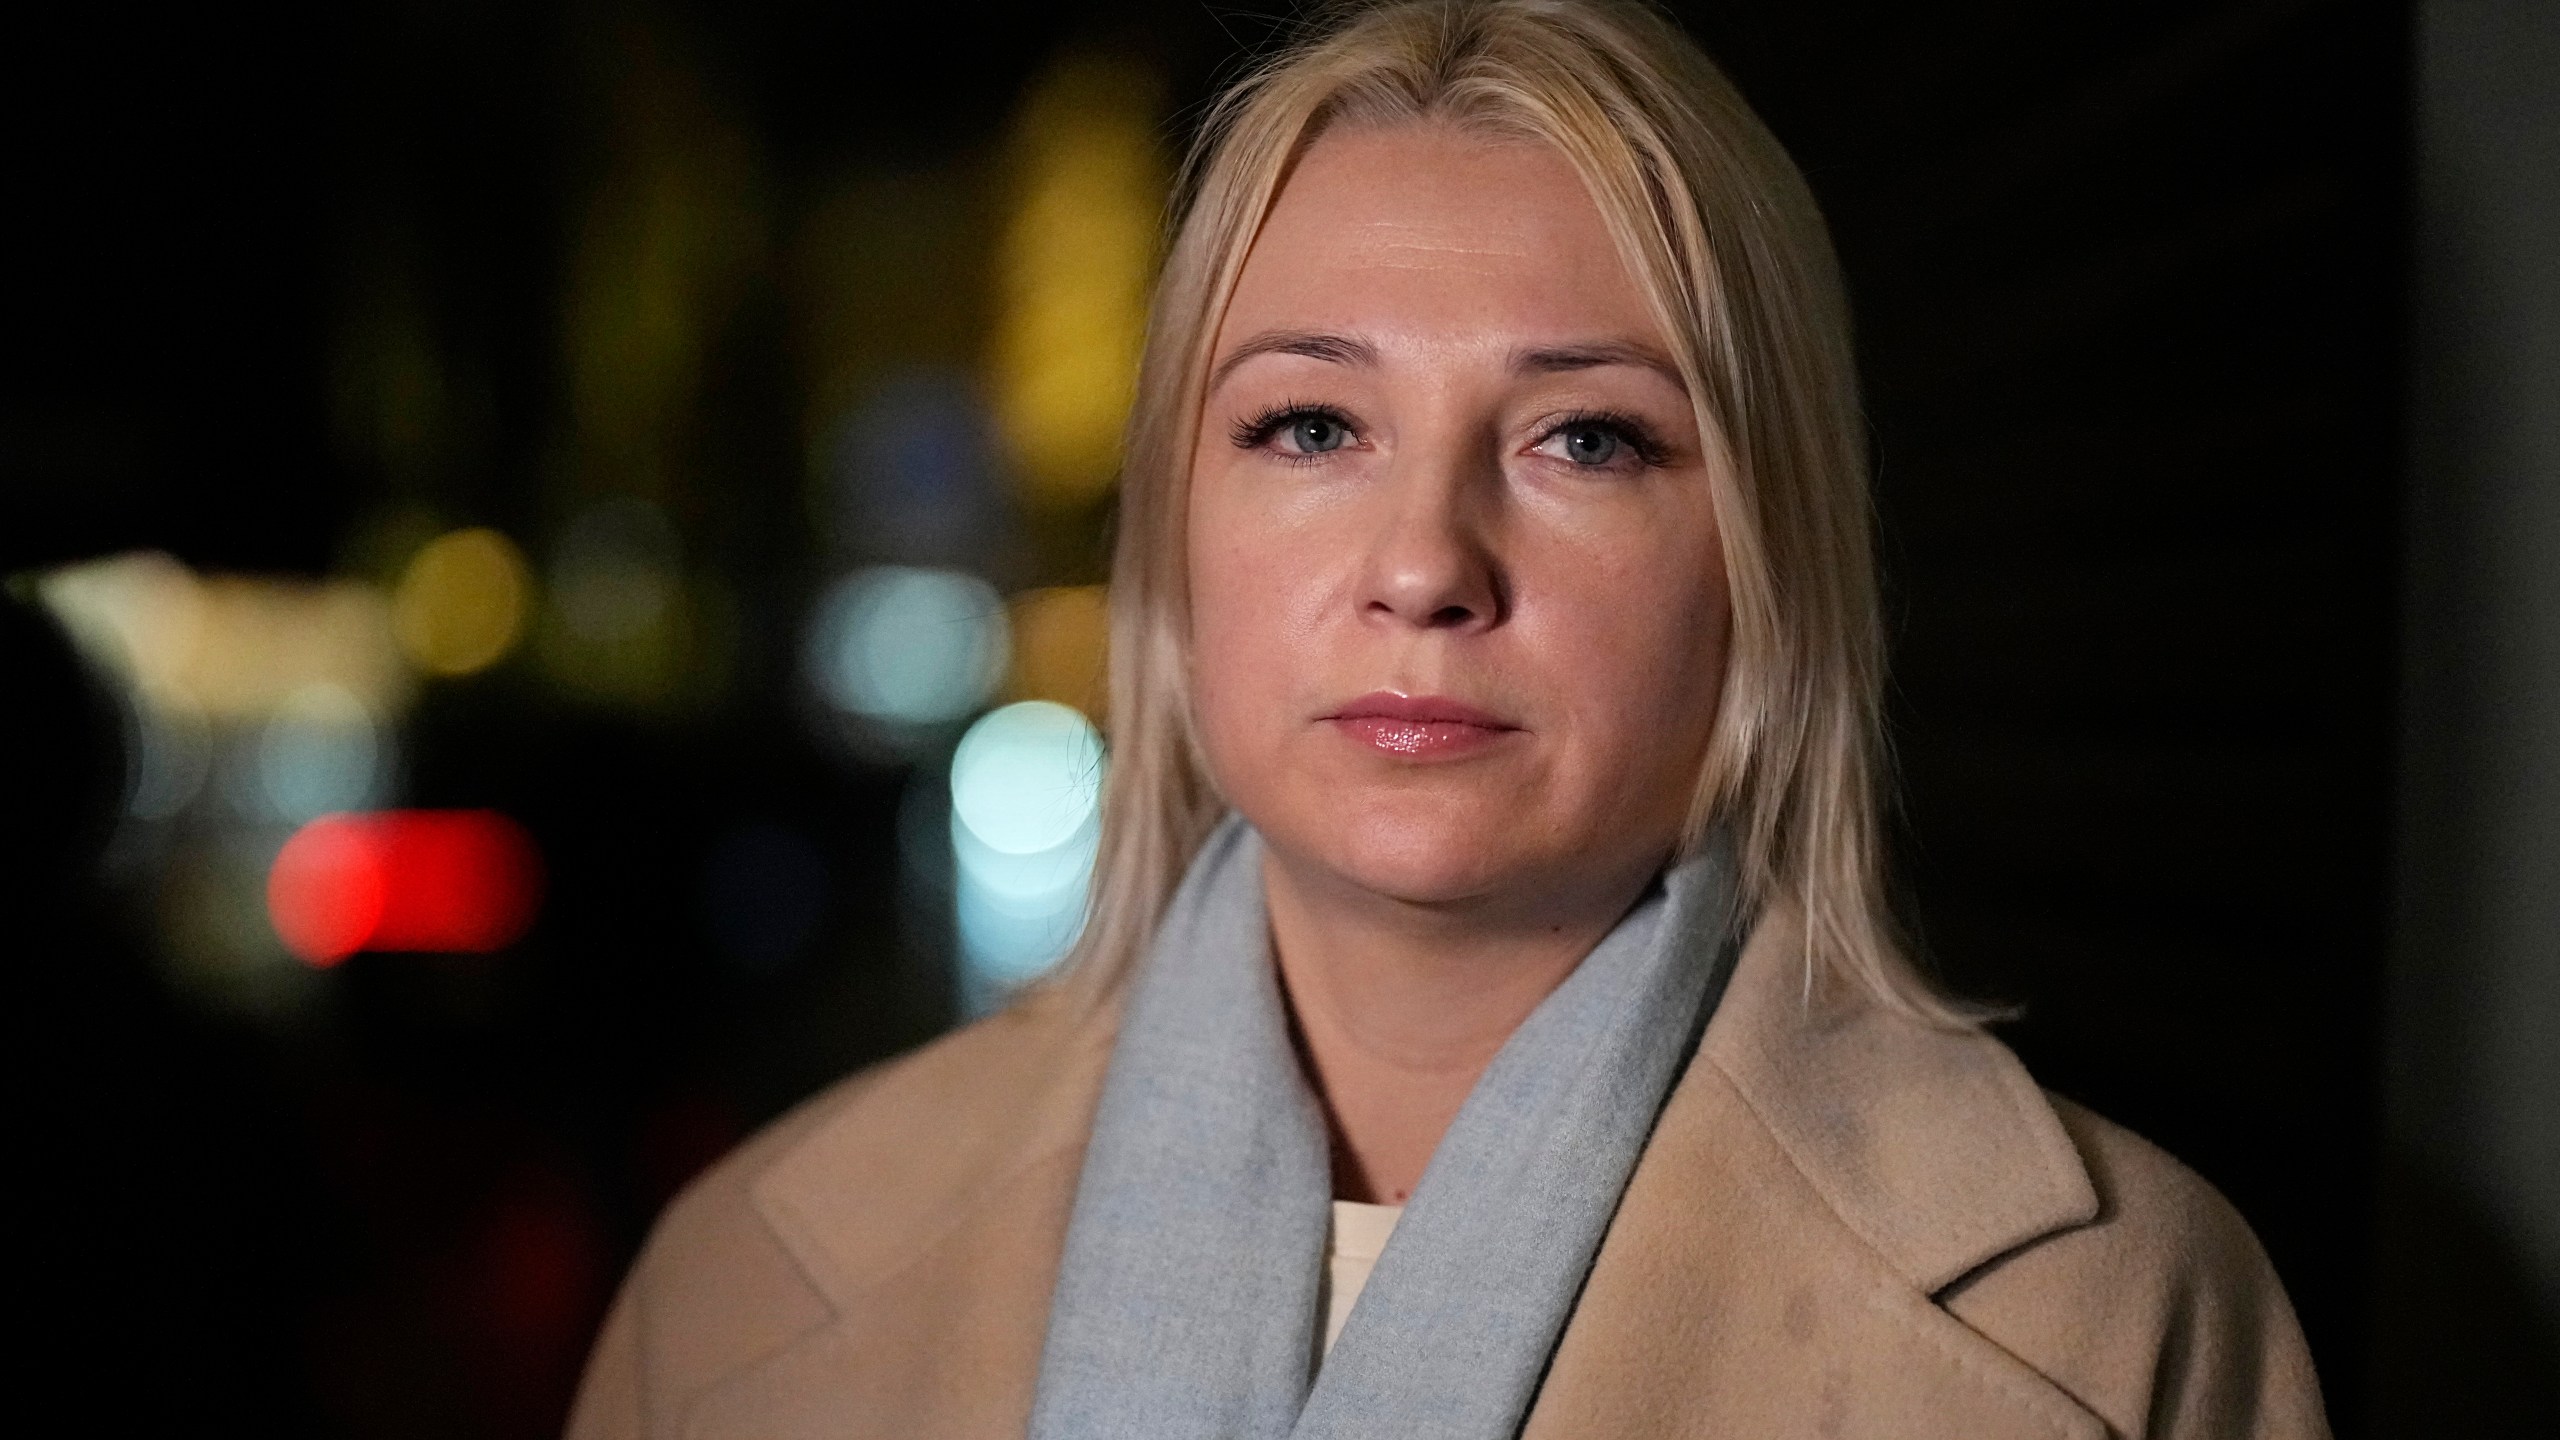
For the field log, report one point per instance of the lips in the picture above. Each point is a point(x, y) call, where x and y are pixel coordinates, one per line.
point(1419, 727)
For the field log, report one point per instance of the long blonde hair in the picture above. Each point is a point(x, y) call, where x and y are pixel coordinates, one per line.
point(1724, 239)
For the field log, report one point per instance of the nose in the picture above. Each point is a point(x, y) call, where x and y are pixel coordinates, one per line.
point(1432, 564)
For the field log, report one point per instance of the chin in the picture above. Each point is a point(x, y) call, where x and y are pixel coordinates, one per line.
point(1419, 853)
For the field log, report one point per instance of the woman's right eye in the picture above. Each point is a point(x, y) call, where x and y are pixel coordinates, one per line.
point(1313, 433)
point(1295, 432)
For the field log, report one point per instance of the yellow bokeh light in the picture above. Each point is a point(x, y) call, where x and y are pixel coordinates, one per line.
point(1059, 641)
point(230, 647)
point(1074, 265)
point(462, 602)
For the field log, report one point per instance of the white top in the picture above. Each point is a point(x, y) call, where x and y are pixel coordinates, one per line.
point(1352, 1244)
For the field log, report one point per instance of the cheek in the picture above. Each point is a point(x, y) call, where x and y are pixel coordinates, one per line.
point(1231, 639)
point(1249, 595)
point(1637, 649)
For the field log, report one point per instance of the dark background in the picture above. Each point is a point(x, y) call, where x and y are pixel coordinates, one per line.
point(2131, 283)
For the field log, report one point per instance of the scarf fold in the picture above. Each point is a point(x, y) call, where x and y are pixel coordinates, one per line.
point(1186, 1301)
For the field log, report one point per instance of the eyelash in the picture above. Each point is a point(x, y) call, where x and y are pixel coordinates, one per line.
point(1634, 433)
point(1256, 431)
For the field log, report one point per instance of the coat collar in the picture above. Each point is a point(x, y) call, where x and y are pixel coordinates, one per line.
point(1821, 1170)
point(932, 1198)
point(1931, 1143)
point(932, 1140)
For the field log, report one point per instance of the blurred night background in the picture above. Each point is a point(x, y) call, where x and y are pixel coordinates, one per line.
point(653, 463)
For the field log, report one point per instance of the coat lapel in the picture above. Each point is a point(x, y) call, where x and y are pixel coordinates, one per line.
point(934, 1231)
point(1821, 1170)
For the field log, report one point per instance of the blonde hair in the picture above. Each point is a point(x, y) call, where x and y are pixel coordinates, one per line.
point(1724, 239)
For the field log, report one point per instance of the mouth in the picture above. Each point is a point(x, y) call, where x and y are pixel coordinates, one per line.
point(1419, 727)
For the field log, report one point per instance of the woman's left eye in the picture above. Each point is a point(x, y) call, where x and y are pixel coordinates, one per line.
point(1594, 444)
point(1589, 444)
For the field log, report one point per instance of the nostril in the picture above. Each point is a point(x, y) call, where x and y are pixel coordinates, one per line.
point(1452, 616)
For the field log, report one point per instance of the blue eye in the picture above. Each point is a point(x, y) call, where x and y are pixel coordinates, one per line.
point(1602, 441)
point(1590, 444)
point(1313, 433)
point(1295, 432)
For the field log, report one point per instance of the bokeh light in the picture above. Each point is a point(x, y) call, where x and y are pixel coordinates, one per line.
point(138, 616)
point(1060, 635)
point(325, 891)
point(320, 751)
point(461, 602)
point(1074, 266)
point(229, 647)
point(906, 647)
point(1026, 777)
point(1026, 789)
point(618, 625)
point(172, 752)
point(448, 881)
point(252, 704)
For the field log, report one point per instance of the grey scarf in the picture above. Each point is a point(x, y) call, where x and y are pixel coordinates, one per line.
point(1186, 1304)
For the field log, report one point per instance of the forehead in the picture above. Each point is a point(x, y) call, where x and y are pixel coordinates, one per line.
point(1422, 228)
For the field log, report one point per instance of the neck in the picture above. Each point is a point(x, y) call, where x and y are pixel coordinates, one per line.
point(1397, 1008)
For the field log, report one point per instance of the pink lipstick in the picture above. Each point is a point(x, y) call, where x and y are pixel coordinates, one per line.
point(1419, 727)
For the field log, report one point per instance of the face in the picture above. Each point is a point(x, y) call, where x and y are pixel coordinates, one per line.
point(1458, 605)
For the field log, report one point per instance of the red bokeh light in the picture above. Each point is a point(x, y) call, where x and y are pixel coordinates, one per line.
point(454, 881)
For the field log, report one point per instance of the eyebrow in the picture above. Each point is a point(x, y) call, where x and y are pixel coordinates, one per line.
point(1550, 360)
point(1542, 360)
point(1315, 345)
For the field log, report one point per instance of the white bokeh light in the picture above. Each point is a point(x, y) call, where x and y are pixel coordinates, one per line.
point(906, 646)
point(172, 754)
point(321, 751)
point(1026, 791)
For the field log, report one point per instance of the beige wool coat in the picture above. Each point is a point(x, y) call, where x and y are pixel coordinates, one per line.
point(1846, 1224)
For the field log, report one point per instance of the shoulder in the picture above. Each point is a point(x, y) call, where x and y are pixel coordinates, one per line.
point(911, 1124)
point(2067, 1242)
point(2159, 1224)
point(758, 1250)
point(2161, 1313)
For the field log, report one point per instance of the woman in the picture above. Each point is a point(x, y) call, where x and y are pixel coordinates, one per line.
point(1490, 867)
